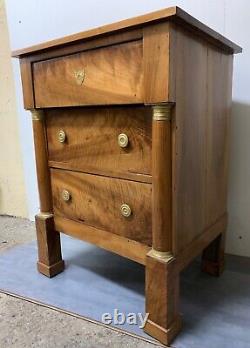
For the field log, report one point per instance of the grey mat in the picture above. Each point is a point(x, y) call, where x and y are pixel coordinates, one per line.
point(216, 312)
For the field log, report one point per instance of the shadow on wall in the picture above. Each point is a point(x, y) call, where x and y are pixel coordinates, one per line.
point(238, 235)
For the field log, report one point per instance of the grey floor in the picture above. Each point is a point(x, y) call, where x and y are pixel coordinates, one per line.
point(216, 312)
point(24, 324)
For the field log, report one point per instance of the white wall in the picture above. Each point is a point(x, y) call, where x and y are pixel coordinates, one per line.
point(12, 190)
point(31, 22)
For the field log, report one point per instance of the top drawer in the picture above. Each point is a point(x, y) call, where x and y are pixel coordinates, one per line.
point(110, 75)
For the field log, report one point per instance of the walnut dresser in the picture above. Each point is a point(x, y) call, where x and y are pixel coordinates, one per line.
point(130, 125)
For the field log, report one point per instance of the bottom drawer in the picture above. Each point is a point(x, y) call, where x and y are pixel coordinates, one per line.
point(119, 206)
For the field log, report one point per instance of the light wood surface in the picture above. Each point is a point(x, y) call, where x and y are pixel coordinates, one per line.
point(200, 243)
point(26, 63)
point(27, 83)
point(91, 143)
point(96, 201)
point(156, 63)
point(213, 258)
point(172, 171)
point(109, 241)
point(200, 154)
point(86, 45)
point(50, 261)
point(162, 299)
point(171, 13)
point(112, 75)
point(43, 175)
point(162, 186)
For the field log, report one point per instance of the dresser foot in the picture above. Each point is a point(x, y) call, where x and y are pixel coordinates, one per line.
point(213, 257)
point(50, 261)
point(162, 298)
point(50, 271)
point(165, 336)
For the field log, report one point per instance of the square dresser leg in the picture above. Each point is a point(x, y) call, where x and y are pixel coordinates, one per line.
point(50, 261)
point(213, 256)
point(162, 299)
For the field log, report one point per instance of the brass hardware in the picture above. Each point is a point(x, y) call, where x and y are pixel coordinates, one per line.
point(123, 140)
point(44, 215)
point(126, 210)
point(165, 256)
point(162, 112)
point(66, 196)
point(61, 136)
point(37, 115)
point(79, 76)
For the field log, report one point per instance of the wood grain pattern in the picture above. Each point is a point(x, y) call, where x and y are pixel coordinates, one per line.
point(92, 141)
point(96, 202)
point(109, 241)
point(50, 260)
point(196, 247)
point(81, 46)
point(162, 299)
point(125, 175)
point(26, 62)
point(43, 175)
point(219, 101)
point(156, 63)
point(162, 186)
point(27, 83)
point(200, 136)
point(173, 174)
point(189, 157)
point(113, 75)
point(213, 257)
point(171, 13)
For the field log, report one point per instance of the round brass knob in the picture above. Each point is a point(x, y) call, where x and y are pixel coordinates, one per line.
point(66, 196)
point(61, 136)
point(123, 140)
point(126, 210)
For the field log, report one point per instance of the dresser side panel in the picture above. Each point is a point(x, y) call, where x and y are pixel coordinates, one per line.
point(201, 85)
point(220, 68)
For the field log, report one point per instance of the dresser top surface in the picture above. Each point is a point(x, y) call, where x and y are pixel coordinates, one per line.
point(175, 14)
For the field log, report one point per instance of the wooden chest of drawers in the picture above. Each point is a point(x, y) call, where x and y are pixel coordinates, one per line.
point(130, 128)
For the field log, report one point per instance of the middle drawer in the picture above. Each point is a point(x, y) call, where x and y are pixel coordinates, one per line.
point(108, 141)
point(119, 206)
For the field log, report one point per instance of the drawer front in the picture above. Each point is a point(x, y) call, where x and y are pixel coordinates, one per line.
point(111, 75)
point(110, 141)
point(104, 203)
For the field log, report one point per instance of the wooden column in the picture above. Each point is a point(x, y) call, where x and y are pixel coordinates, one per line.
point(50, 260)
point(162, 275)
point(161, 179)
point(43, 177)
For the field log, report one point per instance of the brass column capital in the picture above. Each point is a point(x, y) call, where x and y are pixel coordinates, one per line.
point(37, 114)
point(162, 112)
point(45, 215)
point(165, 256)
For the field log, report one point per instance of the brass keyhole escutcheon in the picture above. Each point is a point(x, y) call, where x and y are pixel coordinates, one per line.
point(125, 210)
point(79, 76)
point(66, 196)
point(62, 136)
point(123, 140)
